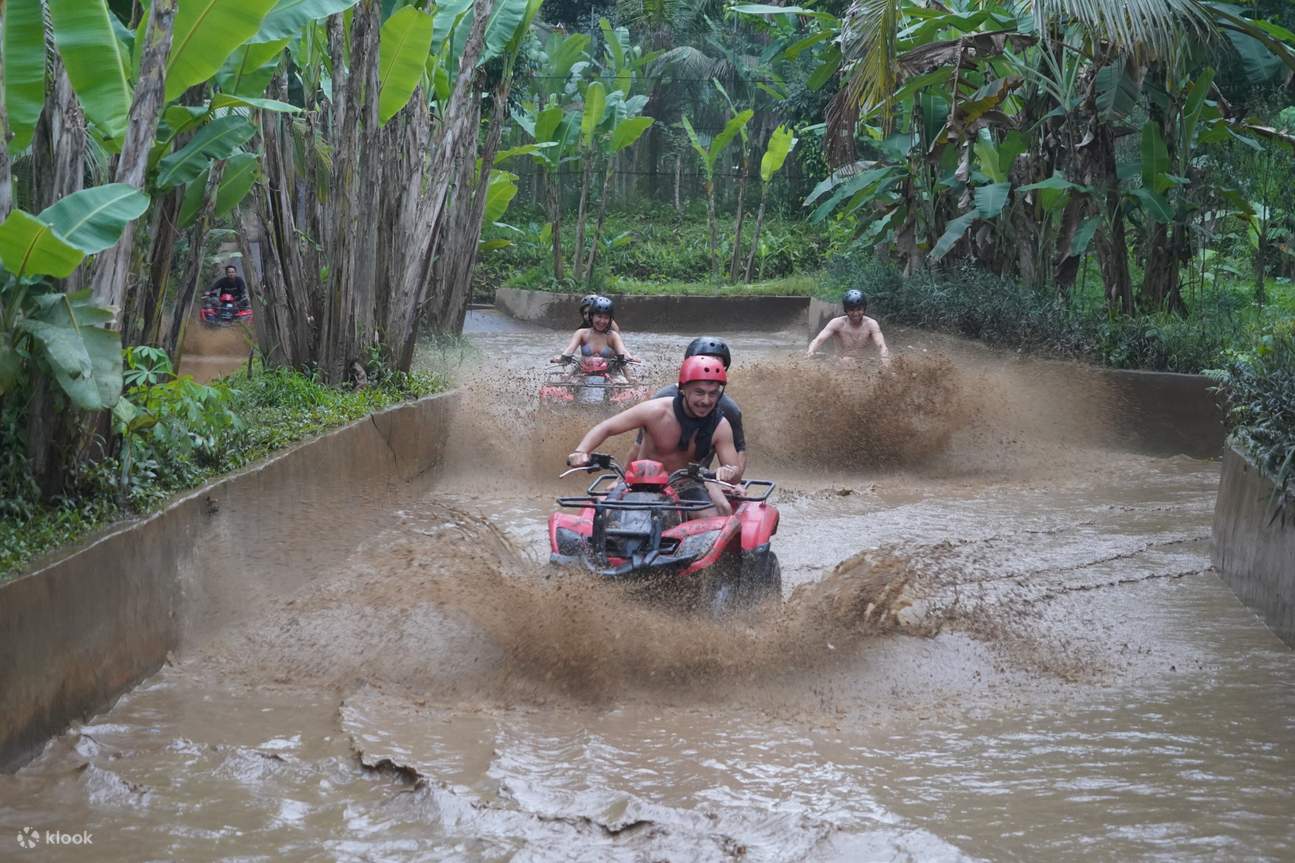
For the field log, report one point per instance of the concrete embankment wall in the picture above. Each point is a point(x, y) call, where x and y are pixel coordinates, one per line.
point(1254, 553)
point(660, 313)
point(77, 632)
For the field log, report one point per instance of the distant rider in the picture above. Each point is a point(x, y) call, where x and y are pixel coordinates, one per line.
point(585, 303)
point(230, 284)
point(853, 331)
point(679, 431)
point(708, 346)
point(598, 339)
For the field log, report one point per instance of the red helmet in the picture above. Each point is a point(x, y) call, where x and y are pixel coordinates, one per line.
point(702, 368)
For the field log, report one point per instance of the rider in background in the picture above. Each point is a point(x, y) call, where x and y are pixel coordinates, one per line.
point(585, 303)
point(230, 284)
point(707, 346)
point(853, 331)
point(599, 339)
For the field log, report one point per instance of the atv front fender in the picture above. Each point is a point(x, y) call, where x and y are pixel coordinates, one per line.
point(759, 522)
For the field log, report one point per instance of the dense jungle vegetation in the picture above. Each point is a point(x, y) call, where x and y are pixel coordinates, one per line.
point(1110, 180)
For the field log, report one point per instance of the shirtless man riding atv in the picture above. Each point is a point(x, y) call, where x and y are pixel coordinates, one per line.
point(679, 431)
point(853, 331)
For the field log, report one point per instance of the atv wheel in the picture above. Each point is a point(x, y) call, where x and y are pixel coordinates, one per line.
point(761, 579)
point(722, 593)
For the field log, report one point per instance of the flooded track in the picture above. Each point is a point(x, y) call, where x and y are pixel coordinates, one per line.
point(1000, 640)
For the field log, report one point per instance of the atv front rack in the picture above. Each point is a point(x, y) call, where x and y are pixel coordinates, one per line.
point(596, 495)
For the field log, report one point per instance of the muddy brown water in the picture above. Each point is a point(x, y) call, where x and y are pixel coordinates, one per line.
point(1001, 640)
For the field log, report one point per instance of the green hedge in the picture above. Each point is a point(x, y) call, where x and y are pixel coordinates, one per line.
point(196, 432)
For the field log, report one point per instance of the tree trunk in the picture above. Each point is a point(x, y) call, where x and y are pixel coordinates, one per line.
point(598, 228)
point(112, 266)
point(678, 179)
point(144, 323)
point(555, 219)
point(576, 271)
point(349, 306)
point(755, 239)
point(712, 227)
point(741, 215)
point(182, 308)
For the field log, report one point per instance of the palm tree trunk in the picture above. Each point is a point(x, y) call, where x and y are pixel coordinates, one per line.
point(713, 228)
point(741, 215)
point(598, 228)
point(755, 239)
point(555, 218)
point(678, 178)
point(580, 218)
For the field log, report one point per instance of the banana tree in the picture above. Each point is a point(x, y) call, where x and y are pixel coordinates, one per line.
point(781, 143)
point(707, 157)
point(626, 129)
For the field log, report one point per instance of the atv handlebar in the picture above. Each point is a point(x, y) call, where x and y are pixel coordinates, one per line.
point(603, 461)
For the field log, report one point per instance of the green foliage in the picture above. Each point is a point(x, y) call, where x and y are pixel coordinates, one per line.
point(642, 246)
point(1006, 313)
point(177, 434)
point(1258, 390)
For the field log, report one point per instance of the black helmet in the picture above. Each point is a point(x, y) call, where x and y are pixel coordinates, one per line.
point(602, 306)
point(586, 301)
point(709, 346)
point(854, 299)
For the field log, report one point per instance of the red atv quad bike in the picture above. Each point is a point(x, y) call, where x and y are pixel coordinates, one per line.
point(591, 381)
point(223, 311)
point(633, 529)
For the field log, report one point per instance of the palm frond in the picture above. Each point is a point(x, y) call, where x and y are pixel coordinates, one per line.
point(689, 62)
point(1145, 28)
point(869, 38)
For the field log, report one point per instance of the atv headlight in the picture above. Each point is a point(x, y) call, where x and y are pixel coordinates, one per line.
point(570, 543)
point(697, 544)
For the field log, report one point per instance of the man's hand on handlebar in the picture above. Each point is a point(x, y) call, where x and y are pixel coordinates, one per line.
point(727, 473)
point(578, 459)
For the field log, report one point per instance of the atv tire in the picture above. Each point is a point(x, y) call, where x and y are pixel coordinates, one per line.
point(761, 579)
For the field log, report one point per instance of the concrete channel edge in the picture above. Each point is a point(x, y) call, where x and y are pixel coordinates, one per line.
point(79, 631)
point(1253, 552)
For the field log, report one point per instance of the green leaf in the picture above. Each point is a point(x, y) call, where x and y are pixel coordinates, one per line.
point(216, 140)
point(24, 69)
point(1155, 205)
point(1260, 64)
point(1053, 191)
point(696, 145)
point(734, 125)
point(627, 131)
point(446, 19)
point(494, 245)
point(991, 199)
point(249, 69)
point(94, 61)
point(953, 232)
point(592, 115)
point(205, 34)
point(402, 57)
point(289, 17)
point(93, 219)
point(500, 193)
point(10, 368)
point(1084, 235)
point(781, 143)
point(1155, 158)
point(546, 129)
point(241, 171)
point(29, 247)
point(612, 43)
point(506, 18)
point(85, 359)
point(1117, 91)
point(230, 100)
point(522, 150)
point(1192, 108)
point(828, 68)
point(794, 50)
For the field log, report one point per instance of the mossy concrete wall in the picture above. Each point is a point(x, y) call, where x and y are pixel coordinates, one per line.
point(1253, 552)
point(660, 313)
point(78, 631)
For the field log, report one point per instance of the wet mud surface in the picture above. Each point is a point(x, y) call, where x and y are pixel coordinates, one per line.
point(1000, 640)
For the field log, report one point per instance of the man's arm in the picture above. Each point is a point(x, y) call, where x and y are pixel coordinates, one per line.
point(822, 337)
point(881, 342)
point(627, 420)
point(722, 441)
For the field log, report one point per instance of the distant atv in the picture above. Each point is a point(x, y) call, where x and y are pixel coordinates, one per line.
point(591, 381)
point(223, 310)
point(633, 529)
